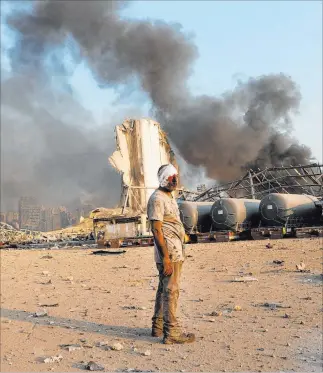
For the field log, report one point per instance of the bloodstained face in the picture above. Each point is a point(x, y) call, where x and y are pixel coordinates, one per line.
point(172, 182)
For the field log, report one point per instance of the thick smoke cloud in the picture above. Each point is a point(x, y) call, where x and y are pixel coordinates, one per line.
point(248, 127)
point(49, 151)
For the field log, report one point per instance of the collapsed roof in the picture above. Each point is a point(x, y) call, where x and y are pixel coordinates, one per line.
point(306, 179)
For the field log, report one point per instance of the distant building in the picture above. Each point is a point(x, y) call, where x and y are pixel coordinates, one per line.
point(46, 224)
point(56, 219)
point(29, 213)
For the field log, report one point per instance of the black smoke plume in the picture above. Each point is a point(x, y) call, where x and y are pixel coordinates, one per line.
point(249, 127)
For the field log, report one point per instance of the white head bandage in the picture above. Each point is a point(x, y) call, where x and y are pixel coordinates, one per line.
point(165, 173)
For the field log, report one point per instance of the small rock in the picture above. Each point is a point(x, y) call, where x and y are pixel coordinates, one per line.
point(288, 344)
point(46, 257)
point(40, 314)
point(286, 316)
point(211, 320)
point(69, 278)
point(237, 308)
point(302, 323)
point(45, 273)
point(53, 359)
point(142, 308)
point(147, 353)
point(269, 245)
point(117, 347)
point(93, 366)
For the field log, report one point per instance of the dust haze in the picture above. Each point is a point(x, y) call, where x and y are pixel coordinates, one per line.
point(50, 147)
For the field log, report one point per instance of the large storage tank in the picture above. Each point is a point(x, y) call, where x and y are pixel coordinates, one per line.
point(235, 213)
point(195, 216)
point(277, 209)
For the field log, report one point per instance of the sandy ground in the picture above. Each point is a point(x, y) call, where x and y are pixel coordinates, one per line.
point(109, 299)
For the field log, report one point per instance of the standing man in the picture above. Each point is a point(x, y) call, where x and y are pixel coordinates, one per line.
point(169, 235)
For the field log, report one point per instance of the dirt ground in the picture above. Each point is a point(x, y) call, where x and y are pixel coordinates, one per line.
point(97, 301)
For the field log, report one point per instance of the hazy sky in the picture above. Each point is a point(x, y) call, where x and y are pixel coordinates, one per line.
point(238, 39)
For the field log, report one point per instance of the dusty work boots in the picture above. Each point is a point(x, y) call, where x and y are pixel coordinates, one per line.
point(179, 339)
point(155, 332)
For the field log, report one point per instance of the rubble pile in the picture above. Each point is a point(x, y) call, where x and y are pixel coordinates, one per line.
point(73, 236)
point(10, 235)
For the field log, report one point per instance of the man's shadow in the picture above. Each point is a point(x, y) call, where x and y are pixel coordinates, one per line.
point(80, 325)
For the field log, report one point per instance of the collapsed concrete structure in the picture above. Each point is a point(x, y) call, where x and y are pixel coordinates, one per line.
point(142, 147)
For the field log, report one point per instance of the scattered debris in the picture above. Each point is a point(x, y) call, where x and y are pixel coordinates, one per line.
point(71, 347)
point(40, 314)
point(93, 366)
point(215, 313)
point(274, 305)
point(108, 252)
point(244, 279)
point(47, 257)
point(133, 308)
point(117, 347)
point(53, 359)
point(301, 267)
point(49, 305)
point(46, 283)
point(102, 344)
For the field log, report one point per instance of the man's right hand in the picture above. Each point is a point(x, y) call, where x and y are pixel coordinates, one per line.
point(168, 267)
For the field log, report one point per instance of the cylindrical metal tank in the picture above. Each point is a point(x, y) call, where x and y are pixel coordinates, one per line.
point(235, 213)
point(277, 209)
point(195, 216)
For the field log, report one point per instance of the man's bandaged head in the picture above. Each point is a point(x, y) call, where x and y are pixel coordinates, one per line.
point(165, 174)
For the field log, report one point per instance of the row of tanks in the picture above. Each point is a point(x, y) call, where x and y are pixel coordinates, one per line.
point(239, 214)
